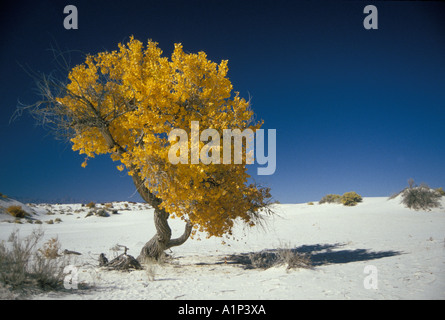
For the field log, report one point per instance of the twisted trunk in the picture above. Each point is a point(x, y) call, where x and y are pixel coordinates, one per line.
point(162, 241)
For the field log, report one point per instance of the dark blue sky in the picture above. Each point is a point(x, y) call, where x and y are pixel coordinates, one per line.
point(354, 109)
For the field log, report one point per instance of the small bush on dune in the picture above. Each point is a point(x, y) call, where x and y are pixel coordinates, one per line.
point(347, 199)
point(91, 205)
point(16, 211)
point(351, 198)
point(108, 206)
point(421, 198)
point(441, 191)
point(330, 198)
point(102, 213)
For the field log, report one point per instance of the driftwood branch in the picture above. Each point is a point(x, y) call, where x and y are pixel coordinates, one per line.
point(123, 262)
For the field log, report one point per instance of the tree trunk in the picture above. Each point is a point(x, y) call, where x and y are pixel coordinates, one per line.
point(162, 241)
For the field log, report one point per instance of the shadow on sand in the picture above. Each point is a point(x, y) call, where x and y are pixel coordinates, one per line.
point(319, 254)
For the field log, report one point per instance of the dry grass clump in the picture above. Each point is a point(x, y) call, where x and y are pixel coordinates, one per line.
point(24, 268)
point(284, 256)
point(50, 249)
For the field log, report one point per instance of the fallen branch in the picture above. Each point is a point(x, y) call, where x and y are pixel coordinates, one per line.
point(71, 252)
point(121, 262)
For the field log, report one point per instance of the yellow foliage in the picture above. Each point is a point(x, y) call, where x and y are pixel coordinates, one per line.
point(351, 198)
point(142, 96)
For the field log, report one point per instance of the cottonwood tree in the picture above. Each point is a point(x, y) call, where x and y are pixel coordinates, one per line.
point(125, 102)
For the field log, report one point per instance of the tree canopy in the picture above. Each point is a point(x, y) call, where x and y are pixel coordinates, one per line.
point(125, 102)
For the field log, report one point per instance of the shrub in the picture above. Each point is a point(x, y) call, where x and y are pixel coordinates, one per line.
point(420, 198)
point(330, 198)
point(264, 259)
point(50, 249)
point(290, 257)
point(350, 198)
point(294, 259)
point(102, 213)
point(91, 205)
point(108, 206)
point(441, 191)
point(24, 268)
point(17, 211)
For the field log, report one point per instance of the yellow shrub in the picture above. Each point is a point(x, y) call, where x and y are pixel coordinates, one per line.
point(350, 198)
point(91, 205)
point(330, 198)
point(16, 211)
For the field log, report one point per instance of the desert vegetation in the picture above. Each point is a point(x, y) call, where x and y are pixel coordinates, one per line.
point(16, 211)
point(26, 268)
point(420, 197)
point(284, 256)
point(348, 198)
point(330, 198)
point(351, 198)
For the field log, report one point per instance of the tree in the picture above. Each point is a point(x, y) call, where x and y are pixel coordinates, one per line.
point(125, 102)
